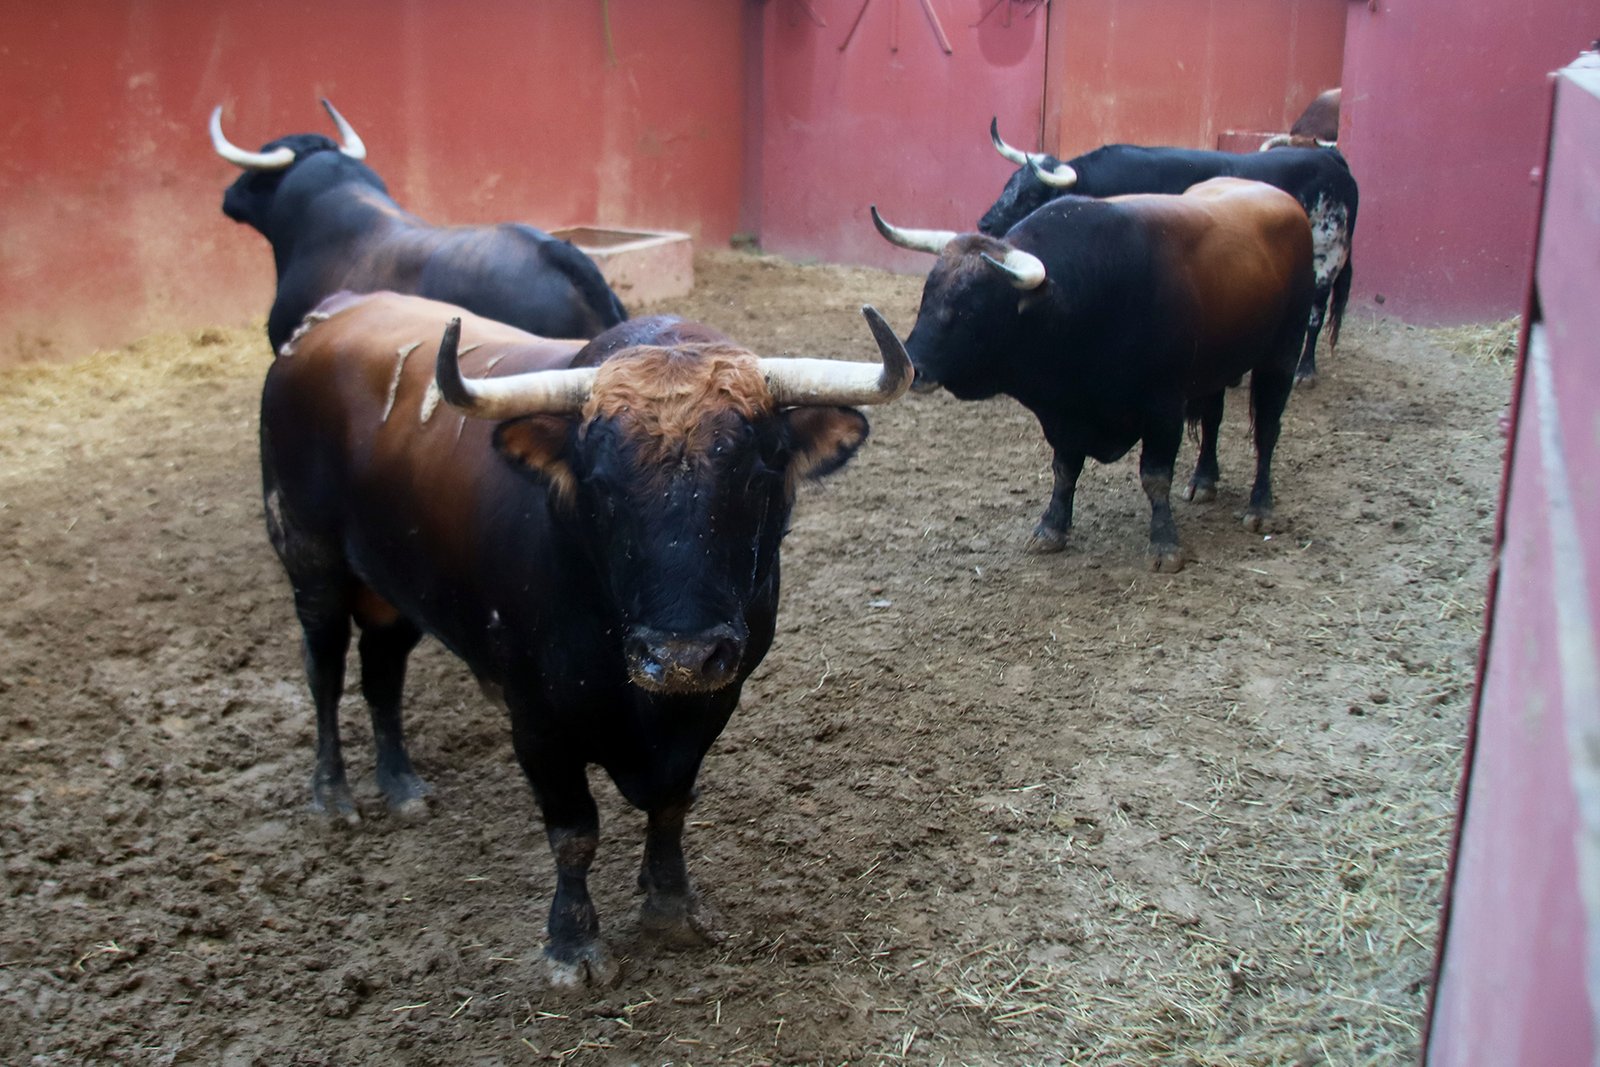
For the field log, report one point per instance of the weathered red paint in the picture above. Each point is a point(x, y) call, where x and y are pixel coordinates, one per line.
point(1442, 124)
point(869, 108)
point(1522, 922)
point(501, 109)
point(1158, 73)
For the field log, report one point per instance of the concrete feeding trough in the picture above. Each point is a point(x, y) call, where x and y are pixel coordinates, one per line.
point(642, 266)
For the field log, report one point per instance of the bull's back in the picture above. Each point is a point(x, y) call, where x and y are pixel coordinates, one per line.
point(355, 434)
point(1240, 252)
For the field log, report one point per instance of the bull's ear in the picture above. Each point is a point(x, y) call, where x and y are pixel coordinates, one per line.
point(822, 439)
point(538, 444)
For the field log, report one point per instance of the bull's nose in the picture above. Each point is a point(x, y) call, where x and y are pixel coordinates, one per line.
point(683, 663)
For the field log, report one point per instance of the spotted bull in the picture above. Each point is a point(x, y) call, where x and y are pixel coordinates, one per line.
point(593, 528)
point(333, 226)
point(1318, 178)
point(1115, 320)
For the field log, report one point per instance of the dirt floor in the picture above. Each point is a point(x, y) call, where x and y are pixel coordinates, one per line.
point(978, 806)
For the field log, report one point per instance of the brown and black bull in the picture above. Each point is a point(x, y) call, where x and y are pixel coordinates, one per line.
point(333, 226)
point(1319, 178)
point(593, 529)
point(1114, 321)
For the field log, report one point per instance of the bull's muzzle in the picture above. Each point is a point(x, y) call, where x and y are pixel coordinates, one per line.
point(661, 662)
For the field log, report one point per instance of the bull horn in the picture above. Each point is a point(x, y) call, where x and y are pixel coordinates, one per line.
point(1277, 140)
point(1025, 271)
point(818, 382)
point(547, 392)
point(916, 240)
point(350, 141)
point(276, 159)
point(1062, 176)
point(1326, 144)
point(1013, 155)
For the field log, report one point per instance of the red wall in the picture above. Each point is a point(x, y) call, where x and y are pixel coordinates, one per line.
point(1516, 982)
point(1443, 120)
point(1161, 73)
point(889, 118)
point(110, 195)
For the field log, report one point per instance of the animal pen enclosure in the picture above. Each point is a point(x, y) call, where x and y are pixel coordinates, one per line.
point(977, 806)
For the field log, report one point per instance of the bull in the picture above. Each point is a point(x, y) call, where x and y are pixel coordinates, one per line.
point(1318, 178)
point(333, 226)
point(1114, 321)
point(1317, 126)
point(594, 529)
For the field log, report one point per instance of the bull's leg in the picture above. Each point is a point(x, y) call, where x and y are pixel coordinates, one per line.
point(1306, 374)
point(326, 627)
point(1269, 393)
point(671, 910)
point(1203, 484)
point(1156, 462)
point(575, 955)
point(384, 650)
point(1051, 533)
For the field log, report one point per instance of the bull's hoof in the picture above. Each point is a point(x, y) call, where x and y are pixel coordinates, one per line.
point(1305, 379)
point(677, 924)
point(406, 795)
point(1255, 520)
point(1047, 539)
point(589, 966)
point(1200, 492)
point(1166, 559)
point(334, 801)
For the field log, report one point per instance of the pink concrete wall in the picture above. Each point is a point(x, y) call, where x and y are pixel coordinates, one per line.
point(885, 115)
point(1156, 72)
point(1522, 934)
point(1442, 121)
point(110, 220)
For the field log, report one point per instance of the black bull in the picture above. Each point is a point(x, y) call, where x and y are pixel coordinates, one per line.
point(1319, 178)
point(599, 543)
point(333, 226)
point(1114, 320)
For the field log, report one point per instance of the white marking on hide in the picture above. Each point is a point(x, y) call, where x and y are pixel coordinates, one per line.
point(1330, 240)
point(431, 395)
point(399, 368)
point(287, 348)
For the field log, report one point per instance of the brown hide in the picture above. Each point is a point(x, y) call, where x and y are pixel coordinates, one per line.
point(1236, 247)
point(1320, 120)
point(363, 375)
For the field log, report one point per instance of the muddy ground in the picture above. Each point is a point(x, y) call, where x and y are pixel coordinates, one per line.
point(978, 806)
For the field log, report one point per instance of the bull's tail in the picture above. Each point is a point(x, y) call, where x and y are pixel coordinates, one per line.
point(586, 278)
point(1341, 295)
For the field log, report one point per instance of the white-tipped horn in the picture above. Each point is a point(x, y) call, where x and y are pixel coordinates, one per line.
point(1013, 155)
point(548, 392)
point(350, 142)
point(276, 159)
point(1277, 140)
point(1022, 269)
point(916, 240)
point(1326, 144)
point(1061, 176)
point(816, 382)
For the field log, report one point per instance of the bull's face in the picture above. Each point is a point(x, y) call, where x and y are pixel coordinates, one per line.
point(965, 321)
point(1025, 193)
point(678, 478)
point(250, 198)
